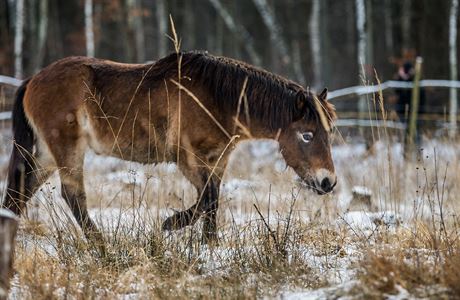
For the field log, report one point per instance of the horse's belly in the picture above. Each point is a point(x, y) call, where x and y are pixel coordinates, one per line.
point(103, 139)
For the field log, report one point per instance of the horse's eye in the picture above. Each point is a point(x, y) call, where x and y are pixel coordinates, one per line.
point(307, 137)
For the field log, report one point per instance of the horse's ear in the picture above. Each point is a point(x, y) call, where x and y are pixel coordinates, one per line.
point(323, 95)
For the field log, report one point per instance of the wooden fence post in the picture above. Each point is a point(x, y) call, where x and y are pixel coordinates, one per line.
point(411, 133)
point(8, 228)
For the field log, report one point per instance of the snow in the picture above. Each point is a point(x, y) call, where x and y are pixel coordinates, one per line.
point(369, 221)
point(332, 292)
point(361, 190)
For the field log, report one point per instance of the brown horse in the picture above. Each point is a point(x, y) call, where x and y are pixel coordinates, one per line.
point(188, 108)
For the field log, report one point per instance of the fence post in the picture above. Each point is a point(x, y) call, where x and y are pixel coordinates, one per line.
point(8, 228)
point(410, 140)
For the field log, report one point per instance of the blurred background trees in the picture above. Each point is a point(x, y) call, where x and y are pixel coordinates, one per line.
point(315, 42)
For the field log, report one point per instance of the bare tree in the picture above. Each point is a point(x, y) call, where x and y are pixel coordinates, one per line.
point(42, 33)
point(388, 27)
point(297, 62)
point(362, 46)
point(239, 31)
point(406, 24)
point(275, 31)
point(453, 66)
point(135, 21)
point(315, 43)
point(162, 27)
point(369, 33)
point(89, 28)
point(18, 39)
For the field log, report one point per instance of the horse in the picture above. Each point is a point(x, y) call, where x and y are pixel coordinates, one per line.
point(189, 108)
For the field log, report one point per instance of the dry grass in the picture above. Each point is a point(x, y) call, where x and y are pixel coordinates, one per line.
point(422, 274)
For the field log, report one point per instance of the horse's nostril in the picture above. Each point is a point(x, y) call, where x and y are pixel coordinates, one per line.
point(326, 185)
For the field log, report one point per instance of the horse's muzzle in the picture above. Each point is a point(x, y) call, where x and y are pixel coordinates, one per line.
point(325, 186)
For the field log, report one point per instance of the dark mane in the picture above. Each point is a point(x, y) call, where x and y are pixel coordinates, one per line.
point(272, 99)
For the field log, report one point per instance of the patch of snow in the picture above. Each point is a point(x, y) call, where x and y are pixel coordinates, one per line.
point(403, 294)
point(339, 291)
point(369, 221)
point(361, 190)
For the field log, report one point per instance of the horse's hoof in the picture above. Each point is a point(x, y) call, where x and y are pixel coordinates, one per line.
point(180, 220)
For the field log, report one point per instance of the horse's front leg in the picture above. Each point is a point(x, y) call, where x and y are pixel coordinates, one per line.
point(210, 214)
point(207, 204)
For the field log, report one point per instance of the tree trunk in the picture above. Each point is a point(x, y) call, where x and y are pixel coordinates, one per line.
point(89, 28)
point(369, 37)
point(162, 27)
point(276, 36)
point(238, 31)
point(315, 44)
point(388, 28)
point(362, 49)
point(42, 34)
point(18, 39)
point(135, 17)
point(453, 66)
point(405, 24)
point(297, 63)
point(8, 228)
point(219, 37)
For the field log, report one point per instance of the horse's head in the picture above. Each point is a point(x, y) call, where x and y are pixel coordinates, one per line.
point(305, 143)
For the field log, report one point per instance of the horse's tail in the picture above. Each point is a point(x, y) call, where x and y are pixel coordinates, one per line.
point(21, 162)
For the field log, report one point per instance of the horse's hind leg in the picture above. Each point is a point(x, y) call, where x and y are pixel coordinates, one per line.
point(69, 161)
point(73, 192)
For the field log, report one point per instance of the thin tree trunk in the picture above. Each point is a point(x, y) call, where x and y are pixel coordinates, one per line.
point(238, 31)
point(189, 25)
point(219, 38)
point(297, 62)
point(42, 33)
point(8, 228)
point(388, 27)
point(453, 66)
point(30, 35)
point(135, 18)
point(315, 44)
point(162, 24)
point(89, 28)
point(18, 39)
point(140, 41)
point(362, 48)
point(276, 36)
point(405, 24)
point(369, 34)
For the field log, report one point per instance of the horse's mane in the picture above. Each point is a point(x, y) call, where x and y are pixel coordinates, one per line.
point(272, 99)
